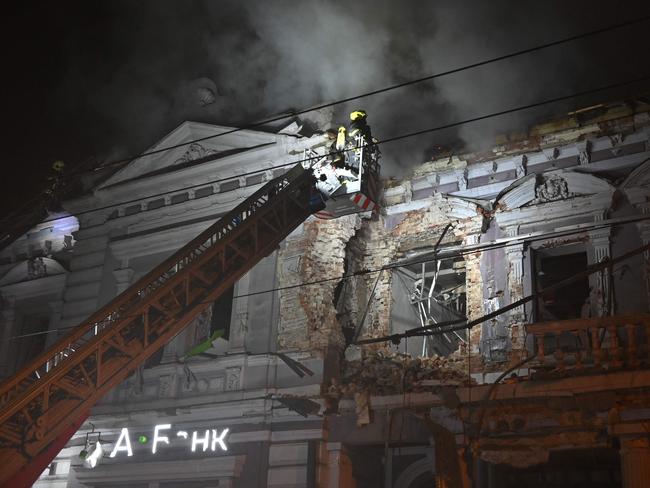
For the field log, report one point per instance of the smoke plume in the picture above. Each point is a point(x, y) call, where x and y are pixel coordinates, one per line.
point(134, 70)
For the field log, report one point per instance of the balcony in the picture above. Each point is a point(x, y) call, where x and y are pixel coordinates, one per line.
point(591, 345)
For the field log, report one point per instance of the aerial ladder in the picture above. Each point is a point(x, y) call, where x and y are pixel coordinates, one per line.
point(45, 403)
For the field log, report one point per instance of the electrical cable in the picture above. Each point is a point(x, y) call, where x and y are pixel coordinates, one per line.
point(469, 250)
point(468, 325)
point(384, 141)
point(393, 87)
point(267, 121)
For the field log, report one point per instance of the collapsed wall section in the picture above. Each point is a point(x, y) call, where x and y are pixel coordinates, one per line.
point(310, 266)
point(395, 236)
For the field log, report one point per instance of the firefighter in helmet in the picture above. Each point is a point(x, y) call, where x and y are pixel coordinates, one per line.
point(338, 148)
point(55, 186)
point(359, 136)
point(359, 126)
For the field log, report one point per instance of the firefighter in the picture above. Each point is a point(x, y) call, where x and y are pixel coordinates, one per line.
point(54, 190)
point(341, 138)
point(359, 126)
point(338, 147)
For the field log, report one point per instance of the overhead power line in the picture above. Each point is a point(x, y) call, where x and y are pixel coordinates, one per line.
point(449, 253)
point(363, 95)
point(381, 142)
point(391, 87)
point(452, 326)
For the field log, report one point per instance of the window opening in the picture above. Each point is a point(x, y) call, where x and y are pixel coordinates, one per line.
point(437, 294)
point(568, 302)
point(222, 313)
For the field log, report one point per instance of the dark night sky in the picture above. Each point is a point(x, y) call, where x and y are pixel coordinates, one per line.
point(100, 80)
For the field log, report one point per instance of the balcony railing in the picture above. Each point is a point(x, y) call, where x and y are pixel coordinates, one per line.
point(615, 342)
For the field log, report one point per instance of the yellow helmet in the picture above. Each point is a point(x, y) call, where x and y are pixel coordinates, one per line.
point(357, 114)
point(341, 129)
point(58, 165)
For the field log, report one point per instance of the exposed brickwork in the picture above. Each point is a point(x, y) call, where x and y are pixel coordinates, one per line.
point(307, 313)
point(474, 291)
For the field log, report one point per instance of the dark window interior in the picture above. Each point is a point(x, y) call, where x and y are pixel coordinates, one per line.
point(579, 468)
point(222, 313)
point(567, 302)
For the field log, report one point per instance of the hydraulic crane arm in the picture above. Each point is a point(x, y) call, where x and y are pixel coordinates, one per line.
point(44, 403)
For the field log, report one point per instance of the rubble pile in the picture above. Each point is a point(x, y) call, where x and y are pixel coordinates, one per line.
point(383, 373)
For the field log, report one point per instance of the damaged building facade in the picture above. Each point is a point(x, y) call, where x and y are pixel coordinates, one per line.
point(423, 344)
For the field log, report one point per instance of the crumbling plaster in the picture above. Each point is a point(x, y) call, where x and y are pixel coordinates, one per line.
point(315, 252)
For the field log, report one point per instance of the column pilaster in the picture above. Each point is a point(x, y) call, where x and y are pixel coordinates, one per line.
point(644, 231)
point(599, 282)
point(473, 289)
point(7, 322)
point(239, 321)
point(635, 462)
point(337, 472)
point(515, 253)
point(123, 277)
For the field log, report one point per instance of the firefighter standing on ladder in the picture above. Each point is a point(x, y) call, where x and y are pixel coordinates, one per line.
point(338, 148)
point(359, 126)
point(359, 135)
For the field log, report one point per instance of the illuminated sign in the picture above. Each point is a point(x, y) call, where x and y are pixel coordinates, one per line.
point(198, 440)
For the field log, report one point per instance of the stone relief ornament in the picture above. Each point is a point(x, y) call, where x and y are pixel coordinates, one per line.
point(616, 140)
point(462, 181)
point(195, 151)
point(521, 167)
point(36, 268)
point(584, 157)
point(551, 153)
point(551, 188)
point(202, 326)
point(233, 378)
point(167, 386)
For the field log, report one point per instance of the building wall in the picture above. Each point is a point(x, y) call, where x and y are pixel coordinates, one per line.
point(521, 191)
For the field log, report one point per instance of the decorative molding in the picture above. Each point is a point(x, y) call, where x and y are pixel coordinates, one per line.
point(551, 188)
point(521, 166)
point(551, 153)
point(414, 471)
point(515, 256)
point(233, 378)
point(216, 467)
point(461, 208)
point(461, 178)
point(616, 140)
point(637, 184)
point(195, 151)
point(584, 156)
point(51, 286)
point(599, 282)
point(32, 269)
point(167, 386)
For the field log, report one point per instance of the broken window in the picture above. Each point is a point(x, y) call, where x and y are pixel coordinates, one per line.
point(427, 294)
point(551, 266)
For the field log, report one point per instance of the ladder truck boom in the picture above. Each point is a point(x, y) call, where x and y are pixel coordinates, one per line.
point(45, 402)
